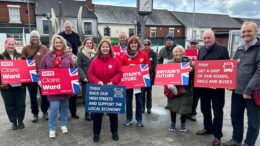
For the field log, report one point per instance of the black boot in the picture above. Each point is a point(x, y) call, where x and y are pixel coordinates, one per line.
point(14, 125)
point(115, 136)
point(20, 125)
point(96, 138)
point(87, 116)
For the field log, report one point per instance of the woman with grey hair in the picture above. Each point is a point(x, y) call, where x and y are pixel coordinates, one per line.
point(180, 104)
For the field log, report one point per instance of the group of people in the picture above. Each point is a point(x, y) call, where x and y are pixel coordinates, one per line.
point(98, 65)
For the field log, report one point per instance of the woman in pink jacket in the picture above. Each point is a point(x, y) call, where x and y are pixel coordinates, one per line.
point(105, 70)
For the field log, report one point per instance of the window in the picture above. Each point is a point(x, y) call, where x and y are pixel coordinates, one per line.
point(87, 28)
point(14, 13)
point(131, 32)
point(201, 34)
point(171, 31)
point(46, 24)
point(194, 34)
point(152, 32)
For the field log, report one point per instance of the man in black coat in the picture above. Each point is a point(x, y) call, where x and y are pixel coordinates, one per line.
point(212, 51)
point(71, 37)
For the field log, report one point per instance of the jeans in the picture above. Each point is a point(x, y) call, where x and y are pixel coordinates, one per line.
point(129, 105)
point(63, 105)
point(147, 96)
point(97, 122)
point(238, 106)
point(217, 98)
point(32, 88)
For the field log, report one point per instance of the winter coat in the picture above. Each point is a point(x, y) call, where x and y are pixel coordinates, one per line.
point(152, 56)
point(141, 58)
point(105, 69)
point(74, 39)
point(248, 69)
point(165, 52)
point(83, 63)
point(48, 63)
point(5, 56)
point(183, 104)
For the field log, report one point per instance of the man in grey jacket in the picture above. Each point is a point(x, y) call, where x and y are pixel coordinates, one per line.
point(248, 78)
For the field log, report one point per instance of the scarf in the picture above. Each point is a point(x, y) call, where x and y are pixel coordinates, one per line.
point(90, 53)
point(57, 61)
point(132, 54)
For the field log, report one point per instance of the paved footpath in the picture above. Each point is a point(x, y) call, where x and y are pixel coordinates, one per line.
point(154, 133)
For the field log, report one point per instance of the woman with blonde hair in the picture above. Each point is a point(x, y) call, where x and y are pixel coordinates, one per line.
point(57, 59)
point(85, 55)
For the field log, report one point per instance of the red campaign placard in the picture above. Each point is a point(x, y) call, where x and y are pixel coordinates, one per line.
point(192, 54)
point(136, 77)
point(59, 81)
point(172, 73)
point(119, 51)
point(216, 74)
point(18, 71)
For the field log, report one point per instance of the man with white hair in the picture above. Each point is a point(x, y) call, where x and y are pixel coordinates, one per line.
point(35, 50)
point(212, 51)
point(71, 37)
point(248, 78)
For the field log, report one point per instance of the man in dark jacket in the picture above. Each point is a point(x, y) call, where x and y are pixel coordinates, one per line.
point(71, 37)
point(248, 78)
point(165, 53)
point(212, 51)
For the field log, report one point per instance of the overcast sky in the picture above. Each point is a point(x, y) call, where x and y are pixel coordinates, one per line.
point(234, 8)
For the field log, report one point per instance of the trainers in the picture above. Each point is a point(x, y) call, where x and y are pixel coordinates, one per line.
point(64, 129)
point(183, 128)
point(172, 127)
point(96, 138)
point(14, 126)
point(140, 123)
point(232, 142)
point(127, 122)
point(45, 116)
point(52, 134)
point(35, 118)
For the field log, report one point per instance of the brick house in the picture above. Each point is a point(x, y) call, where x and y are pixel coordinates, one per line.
point(14, 20)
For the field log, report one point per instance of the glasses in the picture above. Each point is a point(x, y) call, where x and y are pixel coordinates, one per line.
point(146, 44)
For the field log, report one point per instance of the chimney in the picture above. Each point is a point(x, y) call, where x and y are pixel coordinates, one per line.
point(90, 5)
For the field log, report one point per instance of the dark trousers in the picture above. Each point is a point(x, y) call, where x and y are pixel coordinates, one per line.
point(73, 105)
point(147, 97)
point(84, 92)
point(195, 102)
point(97, 122)
point(129, 105)
point(217, 99)
point(173, 117)
point(14, 99)
point(32, 88)
point(238, 106)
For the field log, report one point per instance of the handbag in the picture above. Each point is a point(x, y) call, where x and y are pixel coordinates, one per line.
point(169, 94)
point(256, 95)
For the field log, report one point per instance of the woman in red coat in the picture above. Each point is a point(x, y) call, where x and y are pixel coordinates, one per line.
point(134, 56)
point(105, 70)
